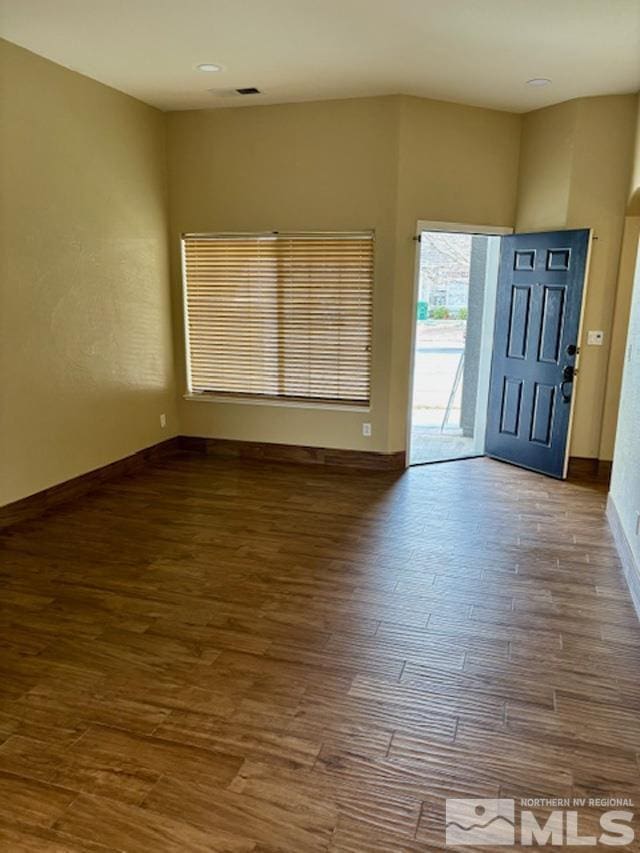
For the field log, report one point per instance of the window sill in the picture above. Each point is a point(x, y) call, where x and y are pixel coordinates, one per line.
point(279, 404)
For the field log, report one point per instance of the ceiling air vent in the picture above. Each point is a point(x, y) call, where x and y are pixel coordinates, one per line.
point(248, 90)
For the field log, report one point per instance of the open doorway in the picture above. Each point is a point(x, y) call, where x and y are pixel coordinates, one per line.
point(455, 308)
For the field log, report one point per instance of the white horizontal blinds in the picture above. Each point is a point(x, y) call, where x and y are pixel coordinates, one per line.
point(324, 284)
point(232, 309)
point(285, 315)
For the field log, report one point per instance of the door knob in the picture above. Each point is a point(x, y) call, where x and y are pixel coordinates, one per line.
point(568, 372)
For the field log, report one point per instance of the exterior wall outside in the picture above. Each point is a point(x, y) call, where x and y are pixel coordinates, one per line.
point(477, 278)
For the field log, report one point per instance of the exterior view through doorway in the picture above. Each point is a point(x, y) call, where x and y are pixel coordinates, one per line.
point(456, 272)
point(495, 349)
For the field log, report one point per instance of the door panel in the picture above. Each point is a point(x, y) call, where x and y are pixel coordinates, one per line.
point(511, 406)
point(551, 328)
point(519, 321)
point(538, 308)
point(544, 398)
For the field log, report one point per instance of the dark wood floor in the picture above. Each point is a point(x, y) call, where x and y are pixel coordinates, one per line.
point(226, 656)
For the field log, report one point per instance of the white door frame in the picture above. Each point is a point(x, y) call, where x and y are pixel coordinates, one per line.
point(452, 228)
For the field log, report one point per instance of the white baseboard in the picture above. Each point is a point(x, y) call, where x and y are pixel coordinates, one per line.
point(630, 565)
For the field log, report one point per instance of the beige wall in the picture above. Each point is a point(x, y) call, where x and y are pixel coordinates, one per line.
point(85, 347)
point(599, 186)
point(386, 163)
point(546, 157)
point(324, 165)
point(86, 357)
point(455, 164)
point(634, 191)
point(376, 163)
point(619, 332)
point(624, 292)
point(575, 168)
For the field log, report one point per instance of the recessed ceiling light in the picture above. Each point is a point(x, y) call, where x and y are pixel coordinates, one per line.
point(208, 66)
point(537, 82)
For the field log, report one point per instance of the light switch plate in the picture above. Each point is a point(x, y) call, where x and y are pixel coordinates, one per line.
point(595, 338)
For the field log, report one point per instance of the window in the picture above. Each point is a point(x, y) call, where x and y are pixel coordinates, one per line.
point(280, 315)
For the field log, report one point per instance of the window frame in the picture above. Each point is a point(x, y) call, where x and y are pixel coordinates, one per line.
point(216, 396)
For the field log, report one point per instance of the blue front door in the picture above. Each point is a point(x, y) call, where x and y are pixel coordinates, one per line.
point(538, 307)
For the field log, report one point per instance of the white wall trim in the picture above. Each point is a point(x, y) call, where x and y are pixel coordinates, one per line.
point(630, 565)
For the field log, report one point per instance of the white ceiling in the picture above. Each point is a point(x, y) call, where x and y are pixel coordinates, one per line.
point(472, 51)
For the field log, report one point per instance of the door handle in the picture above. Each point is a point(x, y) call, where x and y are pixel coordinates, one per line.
point(568, 373)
